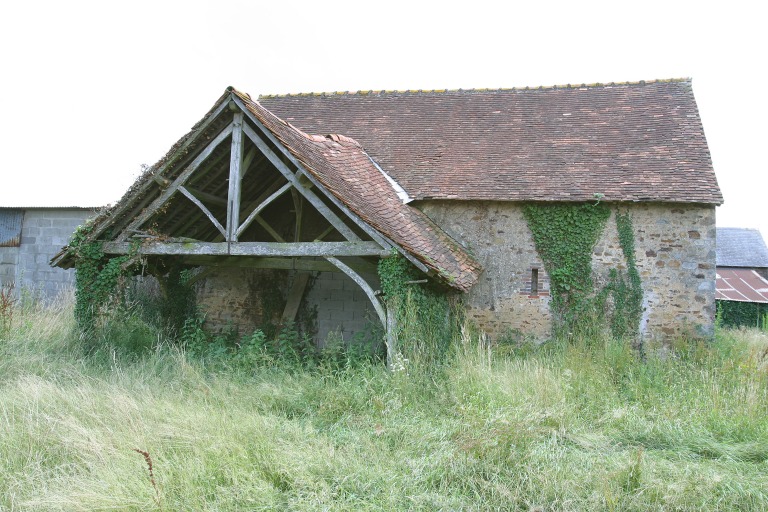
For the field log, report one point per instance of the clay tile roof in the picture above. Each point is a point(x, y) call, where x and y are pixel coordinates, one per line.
point(740, 247)
point(639, 141)
point(346, 171)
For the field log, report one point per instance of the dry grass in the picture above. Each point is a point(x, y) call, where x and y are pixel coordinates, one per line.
point(563, 427)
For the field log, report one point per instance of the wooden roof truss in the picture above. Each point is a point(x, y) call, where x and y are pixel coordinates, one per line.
point(242, 199)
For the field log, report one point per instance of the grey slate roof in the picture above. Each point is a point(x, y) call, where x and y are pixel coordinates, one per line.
point(741, 247)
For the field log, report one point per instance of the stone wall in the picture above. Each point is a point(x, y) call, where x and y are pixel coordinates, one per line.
point(44, 232)
point(243, 299)
point(675, 252)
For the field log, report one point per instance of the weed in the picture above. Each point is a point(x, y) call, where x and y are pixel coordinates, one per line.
point(150, 469)
point(7, 305)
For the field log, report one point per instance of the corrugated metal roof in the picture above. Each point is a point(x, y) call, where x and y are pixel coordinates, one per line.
point(10, 227)
point(742, 285)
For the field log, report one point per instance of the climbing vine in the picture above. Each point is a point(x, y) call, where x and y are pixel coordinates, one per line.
point(565, 235)
point(422, 312)
point(96, 277)
point(626, 289)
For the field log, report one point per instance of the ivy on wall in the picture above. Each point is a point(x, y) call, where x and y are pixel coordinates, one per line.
point(425, 325)
point(565, 235)
point(625, 287)
point(96, 277)
point(737, 314)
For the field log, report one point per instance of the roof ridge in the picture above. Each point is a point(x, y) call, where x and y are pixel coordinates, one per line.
point(477, 90)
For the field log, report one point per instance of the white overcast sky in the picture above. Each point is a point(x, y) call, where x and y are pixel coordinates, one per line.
point(90, 90)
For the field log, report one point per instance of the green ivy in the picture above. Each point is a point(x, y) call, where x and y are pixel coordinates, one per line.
point(626, 289)
point(425, 325)
point(565, 235)
point(96, 277)
point(737, 314)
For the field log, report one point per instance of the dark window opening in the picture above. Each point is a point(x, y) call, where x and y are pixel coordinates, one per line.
point(534, 281)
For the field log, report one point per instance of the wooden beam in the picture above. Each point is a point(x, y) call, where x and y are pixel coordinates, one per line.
point(362, 283)
point(322, 249)
point(261, 207)
point(300, 280)
point(173, 187)
point(315, 201)
point(298, 207)
point(182, 151)
point(248, 160)
point(207, 197)
point(235, 161)
point(390, 337)
point(373, 233)
point(269, 230)
point(205, 210)
point(304, 264)
point(324, 234)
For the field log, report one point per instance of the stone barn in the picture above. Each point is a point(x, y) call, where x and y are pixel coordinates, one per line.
point(284, 206)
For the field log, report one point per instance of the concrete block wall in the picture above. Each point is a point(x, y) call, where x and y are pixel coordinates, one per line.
point(44, 232)
point(9, 259)
point(343, 308)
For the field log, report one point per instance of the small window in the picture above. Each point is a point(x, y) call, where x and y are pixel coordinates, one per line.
point(534, 281)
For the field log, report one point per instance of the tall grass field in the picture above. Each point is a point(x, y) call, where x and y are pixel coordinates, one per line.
point(137, 422)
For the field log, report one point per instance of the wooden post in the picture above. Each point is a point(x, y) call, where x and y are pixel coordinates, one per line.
point(235, 161)
point(391, 334)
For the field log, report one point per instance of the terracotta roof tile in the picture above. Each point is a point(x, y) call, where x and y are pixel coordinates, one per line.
point(346, 170)
point(631, 142)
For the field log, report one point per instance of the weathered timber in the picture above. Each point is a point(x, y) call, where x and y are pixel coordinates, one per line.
point(362, 283)
point(207, 197)
point(315, 201)
point(247, 161)
point(121, 208)
point(205, 210)
point(259, 208)
point(323, 249)
point(236, 160)
point(306, 264)
point(300, 280)
point(373, 233)
point(391, 335)
point(324, 234)
point(173, 187)
point(298, 207)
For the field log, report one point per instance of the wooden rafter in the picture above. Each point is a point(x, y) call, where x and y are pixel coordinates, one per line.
point(315, 201)
point(174, 187)
point(302, 171)
point(205, 210)
point(181, 152)
point(259, 208)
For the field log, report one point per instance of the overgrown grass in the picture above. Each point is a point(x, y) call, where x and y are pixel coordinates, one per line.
point(578, 426)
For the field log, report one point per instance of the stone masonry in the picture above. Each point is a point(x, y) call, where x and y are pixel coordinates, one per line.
point(675, 253)
point(242, 299)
